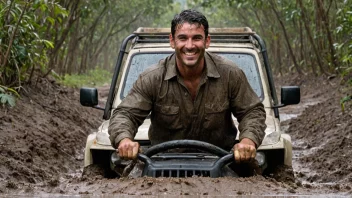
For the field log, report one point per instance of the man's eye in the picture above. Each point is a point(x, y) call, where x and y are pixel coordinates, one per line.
point(182, 38)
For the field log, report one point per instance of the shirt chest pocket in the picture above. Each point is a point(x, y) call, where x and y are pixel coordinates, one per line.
point(215, 115)
point(168, 116)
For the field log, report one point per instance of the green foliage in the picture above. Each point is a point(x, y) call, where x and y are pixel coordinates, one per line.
point(69, 36)
point(165, 18)
point(321, 16)
point(344, 29)
point(76, 36)
point(8, 96)
point(22, 31)
point(112, 21)
point(95, 77)
point(7, 99)
point(343, 101)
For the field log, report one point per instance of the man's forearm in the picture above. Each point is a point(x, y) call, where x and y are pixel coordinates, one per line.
point(252, 126)
point(121, 126)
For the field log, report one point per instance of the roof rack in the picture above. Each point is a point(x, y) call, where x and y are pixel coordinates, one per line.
point(218, 35)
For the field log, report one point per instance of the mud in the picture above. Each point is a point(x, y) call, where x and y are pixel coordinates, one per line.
point(42, 141)
point(322, 136)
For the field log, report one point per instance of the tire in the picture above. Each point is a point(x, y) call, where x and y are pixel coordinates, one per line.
point(98, 171)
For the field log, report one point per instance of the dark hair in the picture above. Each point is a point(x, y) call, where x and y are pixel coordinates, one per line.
point(191, 17)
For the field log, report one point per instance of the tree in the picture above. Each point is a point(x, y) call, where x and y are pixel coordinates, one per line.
point(323, 43)
point(22, 41)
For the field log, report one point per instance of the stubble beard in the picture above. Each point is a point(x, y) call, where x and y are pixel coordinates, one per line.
point(190, 63)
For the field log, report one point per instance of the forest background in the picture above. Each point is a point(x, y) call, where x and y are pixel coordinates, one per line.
point(77, 41)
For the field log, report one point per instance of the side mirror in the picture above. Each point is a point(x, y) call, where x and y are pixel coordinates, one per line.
point(290, 95)
point(89, 97)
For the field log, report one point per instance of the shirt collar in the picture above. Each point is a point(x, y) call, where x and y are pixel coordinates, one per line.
point(171, 70)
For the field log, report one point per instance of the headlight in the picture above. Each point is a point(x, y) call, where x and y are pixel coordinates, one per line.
point(271, 138)
point(260, 157)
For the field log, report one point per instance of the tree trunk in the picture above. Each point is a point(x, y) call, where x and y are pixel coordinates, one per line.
point(278, 54)
point(84, 55)
point(326, 24)
point(255, 11)
point(318, 32)
point(310, 37)
point(59, 41)
point(7, 21)
point(73, 46)
point(297, 67)
point(103, 40)
point(106, 61)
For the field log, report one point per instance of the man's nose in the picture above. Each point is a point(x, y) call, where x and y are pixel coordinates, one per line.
point(189, 43)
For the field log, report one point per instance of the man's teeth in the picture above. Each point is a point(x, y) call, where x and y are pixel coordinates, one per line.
point(190, 53)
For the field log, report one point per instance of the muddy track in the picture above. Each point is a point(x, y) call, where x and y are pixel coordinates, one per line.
point(42, 141)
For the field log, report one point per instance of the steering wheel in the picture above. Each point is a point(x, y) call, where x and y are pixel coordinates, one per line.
point(213, 169)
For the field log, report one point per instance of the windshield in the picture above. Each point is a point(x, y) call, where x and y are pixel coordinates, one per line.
point(141, 61)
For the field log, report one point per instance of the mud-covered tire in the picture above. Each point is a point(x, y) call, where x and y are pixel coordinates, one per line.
point(283, 173)
point(93, 170)
point(98, 171)
point(246, 169)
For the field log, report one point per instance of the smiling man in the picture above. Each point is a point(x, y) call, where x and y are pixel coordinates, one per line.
point(192, 94)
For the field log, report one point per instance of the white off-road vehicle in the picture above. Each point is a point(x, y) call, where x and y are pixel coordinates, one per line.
point(145, 47)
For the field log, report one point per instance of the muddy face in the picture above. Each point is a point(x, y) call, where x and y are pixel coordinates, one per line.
point(189, 43)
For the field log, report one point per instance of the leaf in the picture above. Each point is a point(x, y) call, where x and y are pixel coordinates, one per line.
point(13, 91)
point(343, 107)
point(43, 7)
point(7, 99)
point(58, 10)
point(345, 99)
point(51, 20)
point(36, 35)
point(11, 101)
point(47, 43)
point(3, 98)
point(21, 52)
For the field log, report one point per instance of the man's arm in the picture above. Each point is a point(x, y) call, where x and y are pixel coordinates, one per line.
point(128, 116)
point(250, 113)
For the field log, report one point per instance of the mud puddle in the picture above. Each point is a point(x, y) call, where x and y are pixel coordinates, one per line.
point(299, 147)
point(293, 111)
point(321, 136)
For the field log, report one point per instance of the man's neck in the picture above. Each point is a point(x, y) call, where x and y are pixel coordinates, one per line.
point(191, 74)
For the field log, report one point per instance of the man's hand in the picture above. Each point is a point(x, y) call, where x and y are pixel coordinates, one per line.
point(244, 151)
point(128, 149)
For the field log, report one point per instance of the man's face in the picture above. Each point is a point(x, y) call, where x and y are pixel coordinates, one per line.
point(189, 44)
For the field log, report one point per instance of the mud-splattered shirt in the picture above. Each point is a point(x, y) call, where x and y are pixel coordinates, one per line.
point(160, 92)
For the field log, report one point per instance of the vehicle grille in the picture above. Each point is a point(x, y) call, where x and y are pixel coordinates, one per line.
point(181, 173)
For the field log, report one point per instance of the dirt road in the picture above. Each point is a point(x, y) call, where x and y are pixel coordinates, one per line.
point(42, 141)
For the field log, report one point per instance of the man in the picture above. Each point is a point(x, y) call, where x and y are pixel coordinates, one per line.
point(191, 95)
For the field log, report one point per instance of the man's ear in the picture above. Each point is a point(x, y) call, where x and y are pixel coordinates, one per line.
point(207, 41)
point(172, 42)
